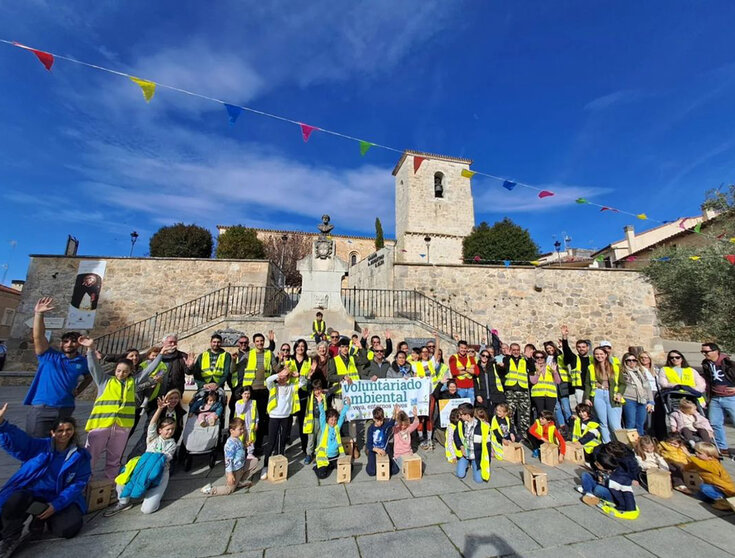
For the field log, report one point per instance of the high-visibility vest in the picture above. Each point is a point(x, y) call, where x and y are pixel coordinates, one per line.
point(575, 372)
point(485, 455)
point(613, 382)
point(517, 375)
point(319, 327)
point(426, 369)
point(686, 379)
point(249, 375)
point(495, 427)
point(212, 374)
point(349, 370)
point(580, 429)
point(253, 417)
point(322, 459)
point(450, 449)
point(309, 415)
point(537, 426)
point(161, 368)
point(562, 369)
point(353, 349)
point(273, 396)
point(305, 366)
point(545, 387)
point(471, 363)
point(114, 406)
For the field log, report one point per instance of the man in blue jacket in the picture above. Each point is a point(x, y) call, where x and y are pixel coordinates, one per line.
point(49, 484)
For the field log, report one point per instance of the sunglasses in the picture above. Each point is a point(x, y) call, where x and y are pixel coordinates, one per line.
point(484, 355)
point(540, 358)
point(631, 360)
point(334, 337)
point(675, 357)
point(707, 352)
point(242, 342)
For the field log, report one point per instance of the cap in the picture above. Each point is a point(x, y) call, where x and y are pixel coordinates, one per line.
point(605, 344)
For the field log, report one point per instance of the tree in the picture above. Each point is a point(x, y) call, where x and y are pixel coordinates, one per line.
point(720, 199)
point(379, 240)
point(503, 241)
point(240, 243)
point(286, 252)
point(181, 241)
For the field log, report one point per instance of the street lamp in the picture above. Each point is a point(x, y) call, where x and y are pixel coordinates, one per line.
point(427, 239)
point(133, 239)
point(557, 246)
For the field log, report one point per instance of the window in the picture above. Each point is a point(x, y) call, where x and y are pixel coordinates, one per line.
point(353, 258)
point(439, 185)
point(8, 316)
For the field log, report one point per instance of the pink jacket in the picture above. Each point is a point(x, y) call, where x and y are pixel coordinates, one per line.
point(677, 421)
point(402, 439)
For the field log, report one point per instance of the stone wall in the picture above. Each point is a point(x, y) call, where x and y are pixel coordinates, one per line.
point(374, 272)
point(530, 304)
point(9, 300)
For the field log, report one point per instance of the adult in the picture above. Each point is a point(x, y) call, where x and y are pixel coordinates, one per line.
point(3, 354)
point(301, 364)
point(400, 367)
point(425, 367)
point(377, 368)
point(239, 360)
point(347, 368)
point(638, 395)
point(50, 483)
point(544, 383)
point(319, 364)
point(489, 387)
point(334, 338)
point(375, 342)
point(515, 385)
point(56, 383)
point(212, 368)
point(719, 371)
point(563, 410)
point(578, 363)
point(677, 374)
point(604, 392)
point(463, 368)
point(607, 346)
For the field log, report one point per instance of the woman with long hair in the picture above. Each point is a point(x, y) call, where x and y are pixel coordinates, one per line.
point(677, 372)
point(638, 395)
point(603, 391)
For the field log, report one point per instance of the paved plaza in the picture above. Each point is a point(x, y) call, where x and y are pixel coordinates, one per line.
point(439, 515)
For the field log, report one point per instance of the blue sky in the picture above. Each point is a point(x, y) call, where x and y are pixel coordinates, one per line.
point(628, 104)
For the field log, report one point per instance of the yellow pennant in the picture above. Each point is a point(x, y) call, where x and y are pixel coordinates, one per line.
point(468, 173)
point(642, 216)
point(694, 258)
point(732, 239)
point(148, 87)
point(535, 262)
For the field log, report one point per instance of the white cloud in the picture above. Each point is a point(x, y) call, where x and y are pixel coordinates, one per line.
point(491, 197)
point(615, 98)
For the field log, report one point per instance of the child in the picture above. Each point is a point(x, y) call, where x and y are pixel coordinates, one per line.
point(247, 410)
point(319, 328)
point(450, 449)
point(716, 483)
point(688, 422)
point(611, 488)
point(544, 430)
point(674, 452)
point(402, 434)
point(472, 439)
point(585, 430)
point(239, 466)
point(377, 441)
point(330, 446)
point(283, 401)
point(312, 423)
point(160, 440)
point(648, 459)
point(208, 409)
point(502, 429)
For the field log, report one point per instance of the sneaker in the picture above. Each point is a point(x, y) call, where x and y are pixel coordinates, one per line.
point(579, 489)
point(536, 453)
point(431, 445)
point(119, 507)
point(590, 499)
point(264, 474)
point(307, 460)
point(424, 445)
point(9, 545)
point(207, 488)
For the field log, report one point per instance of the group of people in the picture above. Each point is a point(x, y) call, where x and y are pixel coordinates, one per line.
point(508, 396)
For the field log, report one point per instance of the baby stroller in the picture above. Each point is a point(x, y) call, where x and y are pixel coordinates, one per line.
point(667, 401)
point(202, 439)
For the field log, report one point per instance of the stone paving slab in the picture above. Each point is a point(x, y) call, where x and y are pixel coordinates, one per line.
point(718, 532)
point(195, 541)
point(481, 503)
point(343, 548)
point(317, 497)
point(672, 542)
point(612, 547)
point(181, 512)
point(418, 512)
point(445, 483)
point(377, 491)
point(110, 545)
point(269, 530)
point(561, 493)
point(550, 527)
point(685, 505)
point(356, 520)
point(426, 542)
point(493, 536)
point(241, 504)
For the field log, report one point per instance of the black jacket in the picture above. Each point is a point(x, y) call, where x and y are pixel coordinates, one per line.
point(728, 369)
point(486, 387)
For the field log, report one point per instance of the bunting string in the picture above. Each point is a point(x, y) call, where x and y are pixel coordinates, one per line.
point(233, 111)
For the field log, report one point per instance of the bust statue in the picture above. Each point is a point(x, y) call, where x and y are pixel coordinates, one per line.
point(325, 228)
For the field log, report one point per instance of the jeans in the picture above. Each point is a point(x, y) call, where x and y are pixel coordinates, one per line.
point(469, 393)
point(635, 416)
point(709, 492)
point(463, 464)
point(591, 486)
point(718, 406)
point(608, 415)
point(563, 411)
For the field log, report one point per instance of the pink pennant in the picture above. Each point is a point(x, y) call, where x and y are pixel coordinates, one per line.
point(46, 58)
point(476, 258)
point(417, 163)
point(684, 220)
point(730, 258)
point(721, 236)
point(631, 259)
point(545, 194)
point(306, 131)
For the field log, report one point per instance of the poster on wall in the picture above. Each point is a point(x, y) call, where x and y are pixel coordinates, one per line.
point(86, 294)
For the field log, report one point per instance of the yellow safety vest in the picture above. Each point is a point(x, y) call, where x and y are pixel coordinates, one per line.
point(115, 406)
point(517, 375)
point(305, 366)
point(686, 379)
point(319, 327)
point(580, 429)
point(613, 382)
point(253, 416)
point(495, 427)
point(545, 387)
point(485, 455)
point(471, 362)
point(309, 415)
point(575, 372)
point(214, 373)
point(322, 459)
point(450, 449)
point(157, 388)
point(273, 396)
point(249, 375)
point(349, 370)
point(538, 427)
point(426, 369)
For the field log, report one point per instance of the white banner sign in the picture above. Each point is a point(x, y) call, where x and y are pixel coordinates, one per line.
point(86, 294)
point(366, 395)
point(446, 406)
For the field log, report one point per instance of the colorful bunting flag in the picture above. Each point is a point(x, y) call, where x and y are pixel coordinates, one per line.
point(606, 208)
point(732, 239)
point(509, 185)
point(468, 173)
point(535, 262)
point(148, 87)
point(697, 228)
point(642, 216)
point(730, 258)
point(233, 112)
point(631, 259)
point(600, 259)
point(721, 236)
point(476, 259)
point(422, 255)
point(695, 258)
point(664, 259)
point(681, 225)
point(364, 146)
point(545, 194)
point(46, 58)
point(506, 263)
point(581, 200)
point(306, 131)
point(417, 163)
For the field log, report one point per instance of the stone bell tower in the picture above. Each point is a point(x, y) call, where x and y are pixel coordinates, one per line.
point(434, 202)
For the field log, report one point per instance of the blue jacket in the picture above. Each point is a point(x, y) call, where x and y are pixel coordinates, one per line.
point(147, 474)
point(36, 455)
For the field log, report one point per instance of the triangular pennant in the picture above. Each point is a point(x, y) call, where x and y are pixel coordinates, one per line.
point(721, 236)
point(233, 112)
point(422, 255)
point(730, 258)
point(642, 216)
point(46, 58)
point(306, 131)
point(417, 163)
point(732, 239)
point(664, 259)
point(600, 259)
point(506, 263)
point(535, 262)
point(468, 173)
point(148, 87)
point(631, 259)
point(697, 228)
point(581, 200)
point(681, 224)
point(545, 194)
point(606, 208)
point(509, 185)
point(476, 258)
point(695, 258)
point(364, 146)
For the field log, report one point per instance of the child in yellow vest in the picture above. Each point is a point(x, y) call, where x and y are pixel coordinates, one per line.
point(450, 449)
point(247, 409)
point(502, 429)
point(330, 446)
